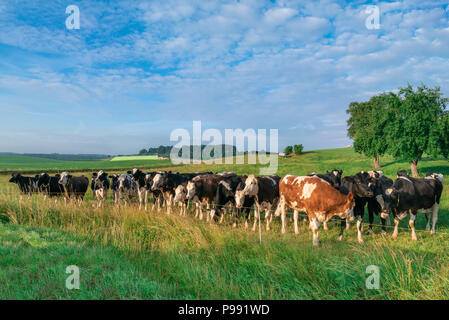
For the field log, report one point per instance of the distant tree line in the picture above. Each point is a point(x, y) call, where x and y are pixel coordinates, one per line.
point(405, 125)
point(164, 151)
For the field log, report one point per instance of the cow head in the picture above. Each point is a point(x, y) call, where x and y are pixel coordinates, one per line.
point(402, 173)
point(180, 193)
point(15, 178)
point(124, 182)
point(224, 193)
point(100, 178)
point(159, 181)
point(388, 202)
point(192, 187)
point(64, 178)
point(358, 185)
point(251, 186)
point(43, 180)
point(335, 176)
point(240, 195)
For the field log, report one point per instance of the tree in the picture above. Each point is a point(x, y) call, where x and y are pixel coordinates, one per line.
point(368, 126)
point(419, 124)
point(297, 149)
point(288, 149)
point(143, 151)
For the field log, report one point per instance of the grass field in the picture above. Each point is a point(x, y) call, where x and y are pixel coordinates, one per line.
point(126, 253)
point(26, 164)
point(134, 158)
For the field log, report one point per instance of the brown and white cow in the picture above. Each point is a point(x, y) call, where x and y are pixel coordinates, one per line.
point(316, 197)
point(265, 191)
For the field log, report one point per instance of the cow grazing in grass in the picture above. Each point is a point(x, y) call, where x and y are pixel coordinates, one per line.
point(315, 196)
point(358, 185)
point(27, 185)
point(101, 187)
point(412, 196)
point(74, 187)
point(50, 186)
point(265, 191)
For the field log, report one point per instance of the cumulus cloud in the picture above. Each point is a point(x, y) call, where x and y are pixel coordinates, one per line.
point(142, 69)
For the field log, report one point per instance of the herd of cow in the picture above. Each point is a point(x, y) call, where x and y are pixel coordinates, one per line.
point(320, 196)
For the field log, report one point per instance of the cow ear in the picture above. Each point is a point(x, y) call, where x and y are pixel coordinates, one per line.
point(128, 172)
point(69, 176)
point(350, 196)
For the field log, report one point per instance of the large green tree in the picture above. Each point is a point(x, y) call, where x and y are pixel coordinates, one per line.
point(367, 126)
point(418, 124)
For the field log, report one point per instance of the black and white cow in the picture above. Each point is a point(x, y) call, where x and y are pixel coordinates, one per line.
point(126, 188)
point(167, 182)
point(27, 185)
point(114, 187)
point(92, 184)
point(225, 196)
point(101, 187)
point(379, 184)
point(142, 187)
point(202, 190)
point(265, 191)
point(358, 185)
point(157, 197)
point(74, 187)
point(50, 186)
point(412, 196)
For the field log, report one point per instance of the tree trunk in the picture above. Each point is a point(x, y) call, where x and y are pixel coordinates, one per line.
point(414, 169)
point(376, 162)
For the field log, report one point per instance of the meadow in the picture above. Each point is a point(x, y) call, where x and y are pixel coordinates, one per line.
point(27, 164)
point(124, 253)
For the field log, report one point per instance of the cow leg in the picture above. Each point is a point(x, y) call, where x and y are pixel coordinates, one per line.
point(146, 199)
point(411, 223)
point(295, 220)
point(256, 216)
point(384, 230)
point(371, 220)
point(197, 210)
point(201, 211)
point(348, 224)
point(325, 227)
point(428, 221)
point(267, 219)
point(208, 213)
point(359, 229)
point(315, 226)
point(342, 229)
point(435, 208)
point(396, 228)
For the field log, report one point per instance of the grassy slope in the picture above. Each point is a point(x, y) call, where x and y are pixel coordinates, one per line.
point(27, 164)
point(171, 257)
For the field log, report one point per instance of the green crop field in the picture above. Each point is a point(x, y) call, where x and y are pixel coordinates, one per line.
point(26, 164)
point(134, 158)
point(127, 253)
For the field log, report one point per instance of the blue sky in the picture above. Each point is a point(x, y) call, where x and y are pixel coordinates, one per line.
point(136, 70)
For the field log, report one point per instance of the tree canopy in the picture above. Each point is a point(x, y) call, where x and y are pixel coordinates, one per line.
point(406, 125)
